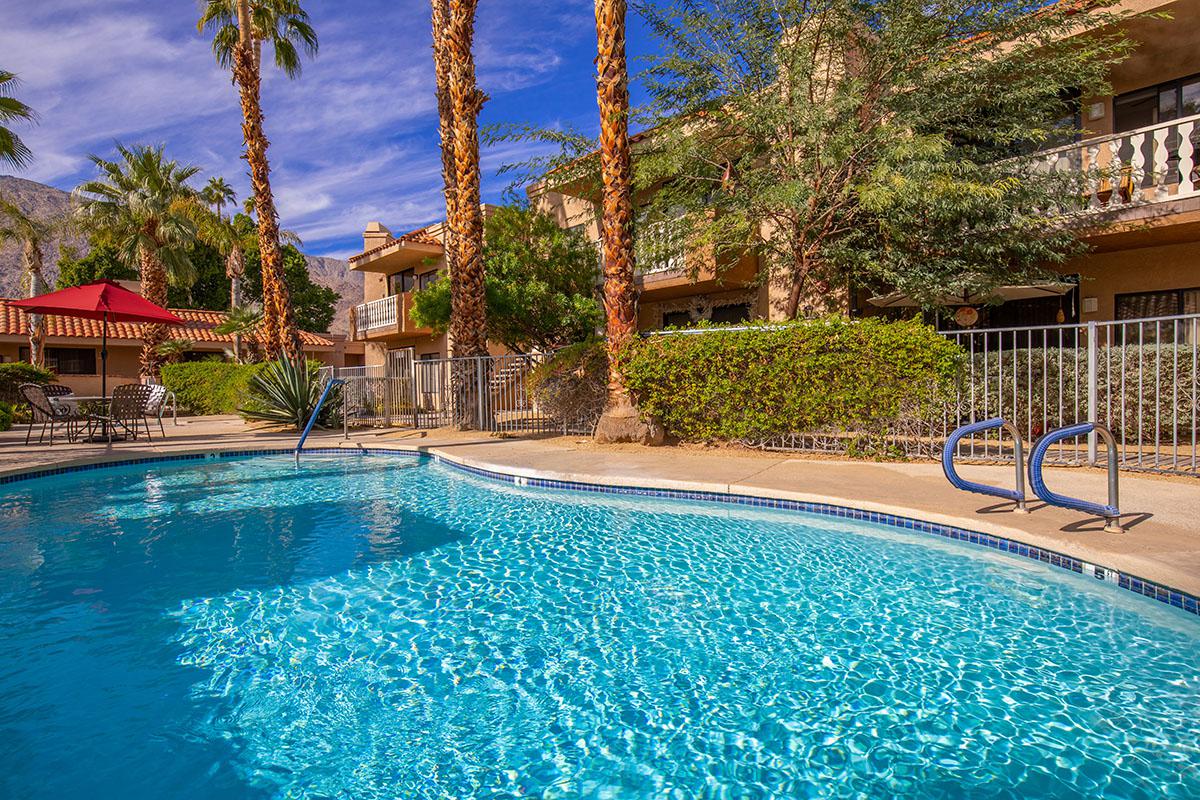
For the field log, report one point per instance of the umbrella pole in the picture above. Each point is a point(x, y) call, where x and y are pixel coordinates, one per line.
point(104, 357)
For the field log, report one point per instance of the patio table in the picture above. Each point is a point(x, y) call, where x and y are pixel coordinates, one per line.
point(100, 404)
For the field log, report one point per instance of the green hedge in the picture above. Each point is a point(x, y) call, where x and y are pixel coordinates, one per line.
point(819, 375)
point(14, 373)
point(209, 387)
point(6, 416)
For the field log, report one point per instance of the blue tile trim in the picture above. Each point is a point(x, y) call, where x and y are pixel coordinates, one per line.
point(1163, 594)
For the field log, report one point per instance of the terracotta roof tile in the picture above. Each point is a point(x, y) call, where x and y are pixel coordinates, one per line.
point(199, 327)
point(419, 236)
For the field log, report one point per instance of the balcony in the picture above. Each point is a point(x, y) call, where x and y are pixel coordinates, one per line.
point(1131, 169)
point(384, 318)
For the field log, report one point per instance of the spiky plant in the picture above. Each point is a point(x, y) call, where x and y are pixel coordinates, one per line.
point(13, 151)
point(285, 392)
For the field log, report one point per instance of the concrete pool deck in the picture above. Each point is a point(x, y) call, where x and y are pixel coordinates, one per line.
point(1162, 542)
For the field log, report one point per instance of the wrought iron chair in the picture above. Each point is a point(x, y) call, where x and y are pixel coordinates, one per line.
point(156, 406)
point(44, 411)
point(126, 410)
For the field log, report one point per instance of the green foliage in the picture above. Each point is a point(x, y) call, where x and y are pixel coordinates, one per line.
point(14, 373)
point(285, 392)
point(820, 375)
point(209, 387)
point(540, 284)
point(102, 262)
point(6, 416)
point(13, 151)
point(572, 385)
point(312, 303)
point(872, 158)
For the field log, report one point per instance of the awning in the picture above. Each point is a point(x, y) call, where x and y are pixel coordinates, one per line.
point(999, 294)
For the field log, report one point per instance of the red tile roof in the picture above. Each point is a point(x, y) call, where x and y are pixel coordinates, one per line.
point(419, 236)
point(199, 327)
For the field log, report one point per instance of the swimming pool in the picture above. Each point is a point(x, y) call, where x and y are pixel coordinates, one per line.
point(389, 627)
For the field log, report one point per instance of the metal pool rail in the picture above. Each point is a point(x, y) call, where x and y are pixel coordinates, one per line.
point(1016, 495)
point(1110, 512)
point(329, 384)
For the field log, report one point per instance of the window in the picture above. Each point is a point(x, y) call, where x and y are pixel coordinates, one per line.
point(427, 279)
point(731, 313)
point(67, 360)
point(401, 282)
point(1167, 303)
point(1155, 104)
point(676, 319)
point(429, 356)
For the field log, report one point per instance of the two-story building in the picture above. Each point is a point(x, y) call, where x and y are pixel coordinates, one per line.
point(1140, 220)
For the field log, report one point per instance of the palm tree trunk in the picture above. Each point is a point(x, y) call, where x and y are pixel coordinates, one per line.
point(154, 289)
point(468, 310)
point(620, 421)
point(37, 285)
point(234, 270)
point(279, 325)
point(441, 68)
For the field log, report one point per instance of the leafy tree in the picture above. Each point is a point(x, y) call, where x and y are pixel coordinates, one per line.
point(865, 140)
point(142, 204)
point(314, 304)
point(13, 151)
point(540, 284)
point(102, 262)
point(240, 28)
point(218, 194)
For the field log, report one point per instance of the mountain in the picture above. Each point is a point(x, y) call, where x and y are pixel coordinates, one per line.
point(48, 202)
point(42, 201)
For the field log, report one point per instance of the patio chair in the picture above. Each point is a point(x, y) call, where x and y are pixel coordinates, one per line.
point(126, 409)
point(156, 407)
point(45, 411)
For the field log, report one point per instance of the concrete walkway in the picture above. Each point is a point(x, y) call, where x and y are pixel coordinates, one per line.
point(1162, 543)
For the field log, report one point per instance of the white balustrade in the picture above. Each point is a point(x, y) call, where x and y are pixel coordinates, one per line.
point(376, 314)
point(1146, 165)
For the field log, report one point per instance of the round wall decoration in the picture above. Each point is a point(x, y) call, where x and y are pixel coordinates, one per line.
point(966, 316)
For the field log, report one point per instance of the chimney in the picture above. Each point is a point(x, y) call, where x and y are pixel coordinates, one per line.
point(375, 235)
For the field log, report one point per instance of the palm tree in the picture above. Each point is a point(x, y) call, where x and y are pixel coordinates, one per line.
point(454, 32)
point(242, 321)
point(441, 68)
point(143, 204)
point(239, 28)
point(12, 150)
point(32, 233)
point(217, 193)
point(620, 421)
point(172, 351)
point(230, 239)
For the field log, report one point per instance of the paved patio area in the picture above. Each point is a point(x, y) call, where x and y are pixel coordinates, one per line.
point(1162, 514)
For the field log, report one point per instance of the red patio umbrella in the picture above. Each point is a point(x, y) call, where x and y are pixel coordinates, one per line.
point(102, 300)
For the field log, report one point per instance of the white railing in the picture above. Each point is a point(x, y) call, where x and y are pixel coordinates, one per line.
point(660, 247)
point(1132, 168)
point(376, 314)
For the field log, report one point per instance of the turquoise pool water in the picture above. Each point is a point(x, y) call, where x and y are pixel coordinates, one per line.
point(384, 627)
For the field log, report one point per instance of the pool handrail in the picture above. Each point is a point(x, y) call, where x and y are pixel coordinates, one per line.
point(1110, 512)
point(316, 412)
point(1017, 495)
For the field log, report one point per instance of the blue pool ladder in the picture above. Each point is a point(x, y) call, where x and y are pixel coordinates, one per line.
point(1017, 495)
point(316, 413)
point(1110, 512)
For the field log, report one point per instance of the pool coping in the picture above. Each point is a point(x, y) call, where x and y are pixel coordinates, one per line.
point(945, 526)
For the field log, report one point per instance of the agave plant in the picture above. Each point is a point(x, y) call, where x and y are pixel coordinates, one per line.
point(285, 392)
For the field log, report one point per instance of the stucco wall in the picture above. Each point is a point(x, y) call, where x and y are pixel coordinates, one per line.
point(1145, 269)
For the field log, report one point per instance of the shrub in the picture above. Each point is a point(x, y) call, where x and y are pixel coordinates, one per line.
point(571, 386)
point(6, 416)
point(14, 373)
point(286, 392)
point(209, 387)
point(815, 376)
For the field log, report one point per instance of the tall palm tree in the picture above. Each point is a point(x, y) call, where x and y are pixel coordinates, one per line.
point(620, 421)
point(143, 204)
point(32, 233)
point(468, 307)
point(441, 69)
point(230, 239)
point(12, 150)
point(218, 193)
point(239, 28)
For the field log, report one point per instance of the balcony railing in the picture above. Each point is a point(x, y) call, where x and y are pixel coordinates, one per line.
point(377, 314)
point(1138, 167)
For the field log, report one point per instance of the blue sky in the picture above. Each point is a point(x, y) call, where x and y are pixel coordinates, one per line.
point(353, 140)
